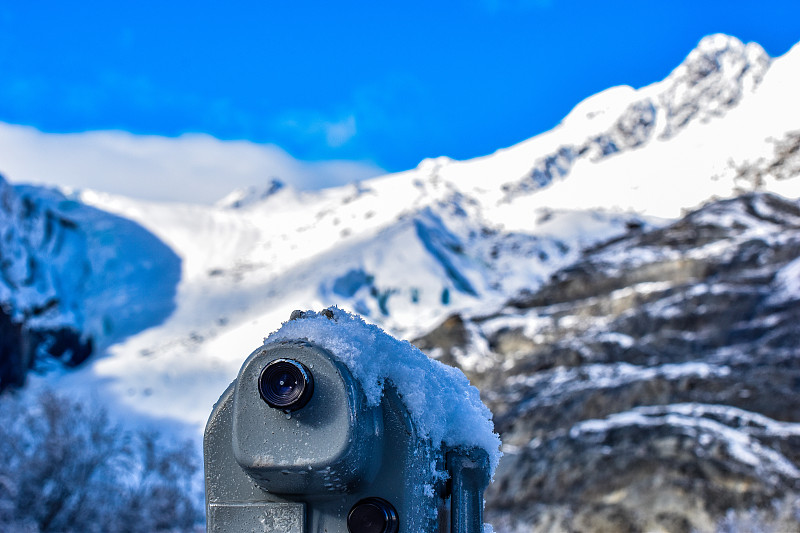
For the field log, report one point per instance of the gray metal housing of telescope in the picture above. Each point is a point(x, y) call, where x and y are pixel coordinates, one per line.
point(293, 447)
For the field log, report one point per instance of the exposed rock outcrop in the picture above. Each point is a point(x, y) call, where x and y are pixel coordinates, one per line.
point(655, 384)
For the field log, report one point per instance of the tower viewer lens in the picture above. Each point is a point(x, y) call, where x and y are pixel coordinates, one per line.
point(286, 384)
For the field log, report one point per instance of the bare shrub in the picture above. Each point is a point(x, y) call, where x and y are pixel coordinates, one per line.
point(66, 467)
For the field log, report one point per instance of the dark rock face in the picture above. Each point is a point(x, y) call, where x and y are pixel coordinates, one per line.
point(655, 384)
point(20, 349)
point(63, 344)
point(13, 366)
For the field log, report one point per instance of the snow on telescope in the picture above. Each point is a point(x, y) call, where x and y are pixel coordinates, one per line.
point(333, 425)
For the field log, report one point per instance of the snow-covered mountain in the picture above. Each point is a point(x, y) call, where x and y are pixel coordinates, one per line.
point(70, 280)
point(720, 124)
point(174, 296)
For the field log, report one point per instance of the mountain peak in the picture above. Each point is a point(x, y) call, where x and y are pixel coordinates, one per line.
point(247, 196)
point(712, 79)
point(717, 76)
point(725, 54)
point(718, 42)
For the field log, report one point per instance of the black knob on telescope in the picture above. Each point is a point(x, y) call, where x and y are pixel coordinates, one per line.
point(286, 384)
point(373, 515)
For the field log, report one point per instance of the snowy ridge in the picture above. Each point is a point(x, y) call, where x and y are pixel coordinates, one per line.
point(551, 387)
point(635, 149)
point(250, 195)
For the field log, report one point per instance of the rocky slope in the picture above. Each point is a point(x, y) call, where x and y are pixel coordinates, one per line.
point(654, 385)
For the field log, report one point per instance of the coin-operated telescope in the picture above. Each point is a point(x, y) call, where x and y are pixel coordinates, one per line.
point(321, 432)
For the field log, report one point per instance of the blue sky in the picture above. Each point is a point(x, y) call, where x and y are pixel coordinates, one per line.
point(388, 83)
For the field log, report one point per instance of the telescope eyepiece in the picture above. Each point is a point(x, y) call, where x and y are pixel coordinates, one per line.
point(286, 384)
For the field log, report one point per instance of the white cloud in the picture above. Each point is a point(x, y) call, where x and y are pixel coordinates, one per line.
point(191, 168)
